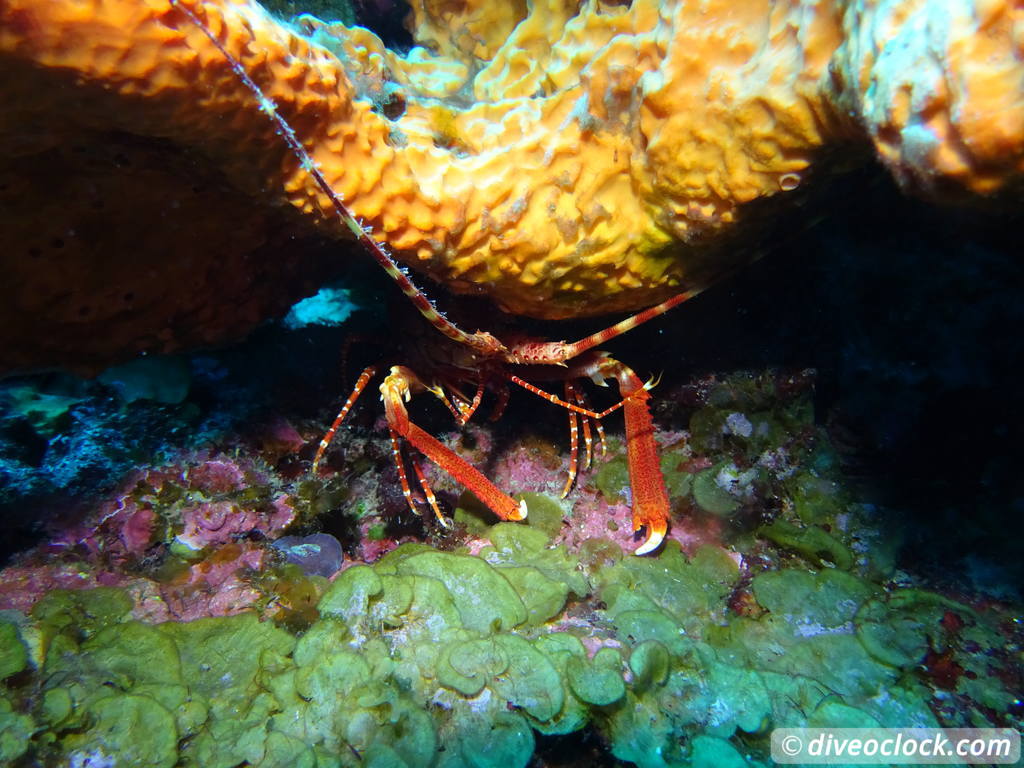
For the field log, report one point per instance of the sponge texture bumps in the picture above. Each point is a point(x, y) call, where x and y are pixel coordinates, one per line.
point(566, 160)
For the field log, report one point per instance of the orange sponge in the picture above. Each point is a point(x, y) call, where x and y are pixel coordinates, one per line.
point(939, 88)
point(565, 159)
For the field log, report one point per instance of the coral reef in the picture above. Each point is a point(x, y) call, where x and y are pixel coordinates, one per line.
point(62, 439)
point(438, 659)
point(565, 161)
point(201, 520)
point(776, 603)
point(196, 596)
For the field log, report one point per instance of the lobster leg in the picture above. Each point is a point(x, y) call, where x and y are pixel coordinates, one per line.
point(573, 407)
point(581, 398)
point(588, 442)
point(574, 443)
point(466, 410)
point(403, 479)
point(364, 378)
point(576, 422)
point(395, 391)
point(428, 492)
point(650, 497)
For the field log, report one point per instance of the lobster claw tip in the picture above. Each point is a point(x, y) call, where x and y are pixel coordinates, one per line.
point(522, 509)
point(513, 511)
point(655, 536)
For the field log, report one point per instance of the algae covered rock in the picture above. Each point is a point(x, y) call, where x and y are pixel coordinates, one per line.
point(711, 752)
point(807, 643)
point(543, 576)
point(530, 682)
point(688, 591)
point(900, 628)
point(13, 654)
point(442, 627)
point(712, 494)
point(701, 676)
point(649, 663)
point(77, 614)
point(599, 681)
point(546, 513)
point(484, 598)
point(159, 695)
point(133, 730)
point(431, 659)
point(16, 728)
point(812, 542)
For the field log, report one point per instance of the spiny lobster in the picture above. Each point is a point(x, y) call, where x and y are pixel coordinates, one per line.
point(485, 361)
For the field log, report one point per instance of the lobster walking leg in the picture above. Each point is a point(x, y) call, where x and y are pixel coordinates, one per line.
point(403, 479)
point(574, 444)
point(588, 443)
point(576, 422)
point(364, 378)
point(581, 401)
point(396, 390)
point(650, 497)
point(428, 492)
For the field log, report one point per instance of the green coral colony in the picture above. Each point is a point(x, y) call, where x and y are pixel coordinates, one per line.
point(458, 660)
point(431, 658)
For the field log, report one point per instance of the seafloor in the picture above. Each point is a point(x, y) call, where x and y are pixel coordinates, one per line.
point(839, 430)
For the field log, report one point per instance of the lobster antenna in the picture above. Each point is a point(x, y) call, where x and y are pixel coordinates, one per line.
point(631, 322)
point(481, 341)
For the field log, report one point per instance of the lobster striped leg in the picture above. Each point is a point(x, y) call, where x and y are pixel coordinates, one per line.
point(453, 404)
point(466, 410)
point(403, 478)
point(364, 378)
point(573, 440)
point(588, 443)
point(428, 492)
point(596, 415)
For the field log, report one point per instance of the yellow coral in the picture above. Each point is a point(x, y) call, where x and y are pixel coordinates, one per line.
point(564, 160)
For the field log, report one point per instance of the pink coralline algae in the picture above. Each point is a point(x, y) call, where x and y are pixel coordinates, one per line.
point(215, 586)
point(219, 522)
point(22, 585)
point(216, 512)
point(196, 502)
